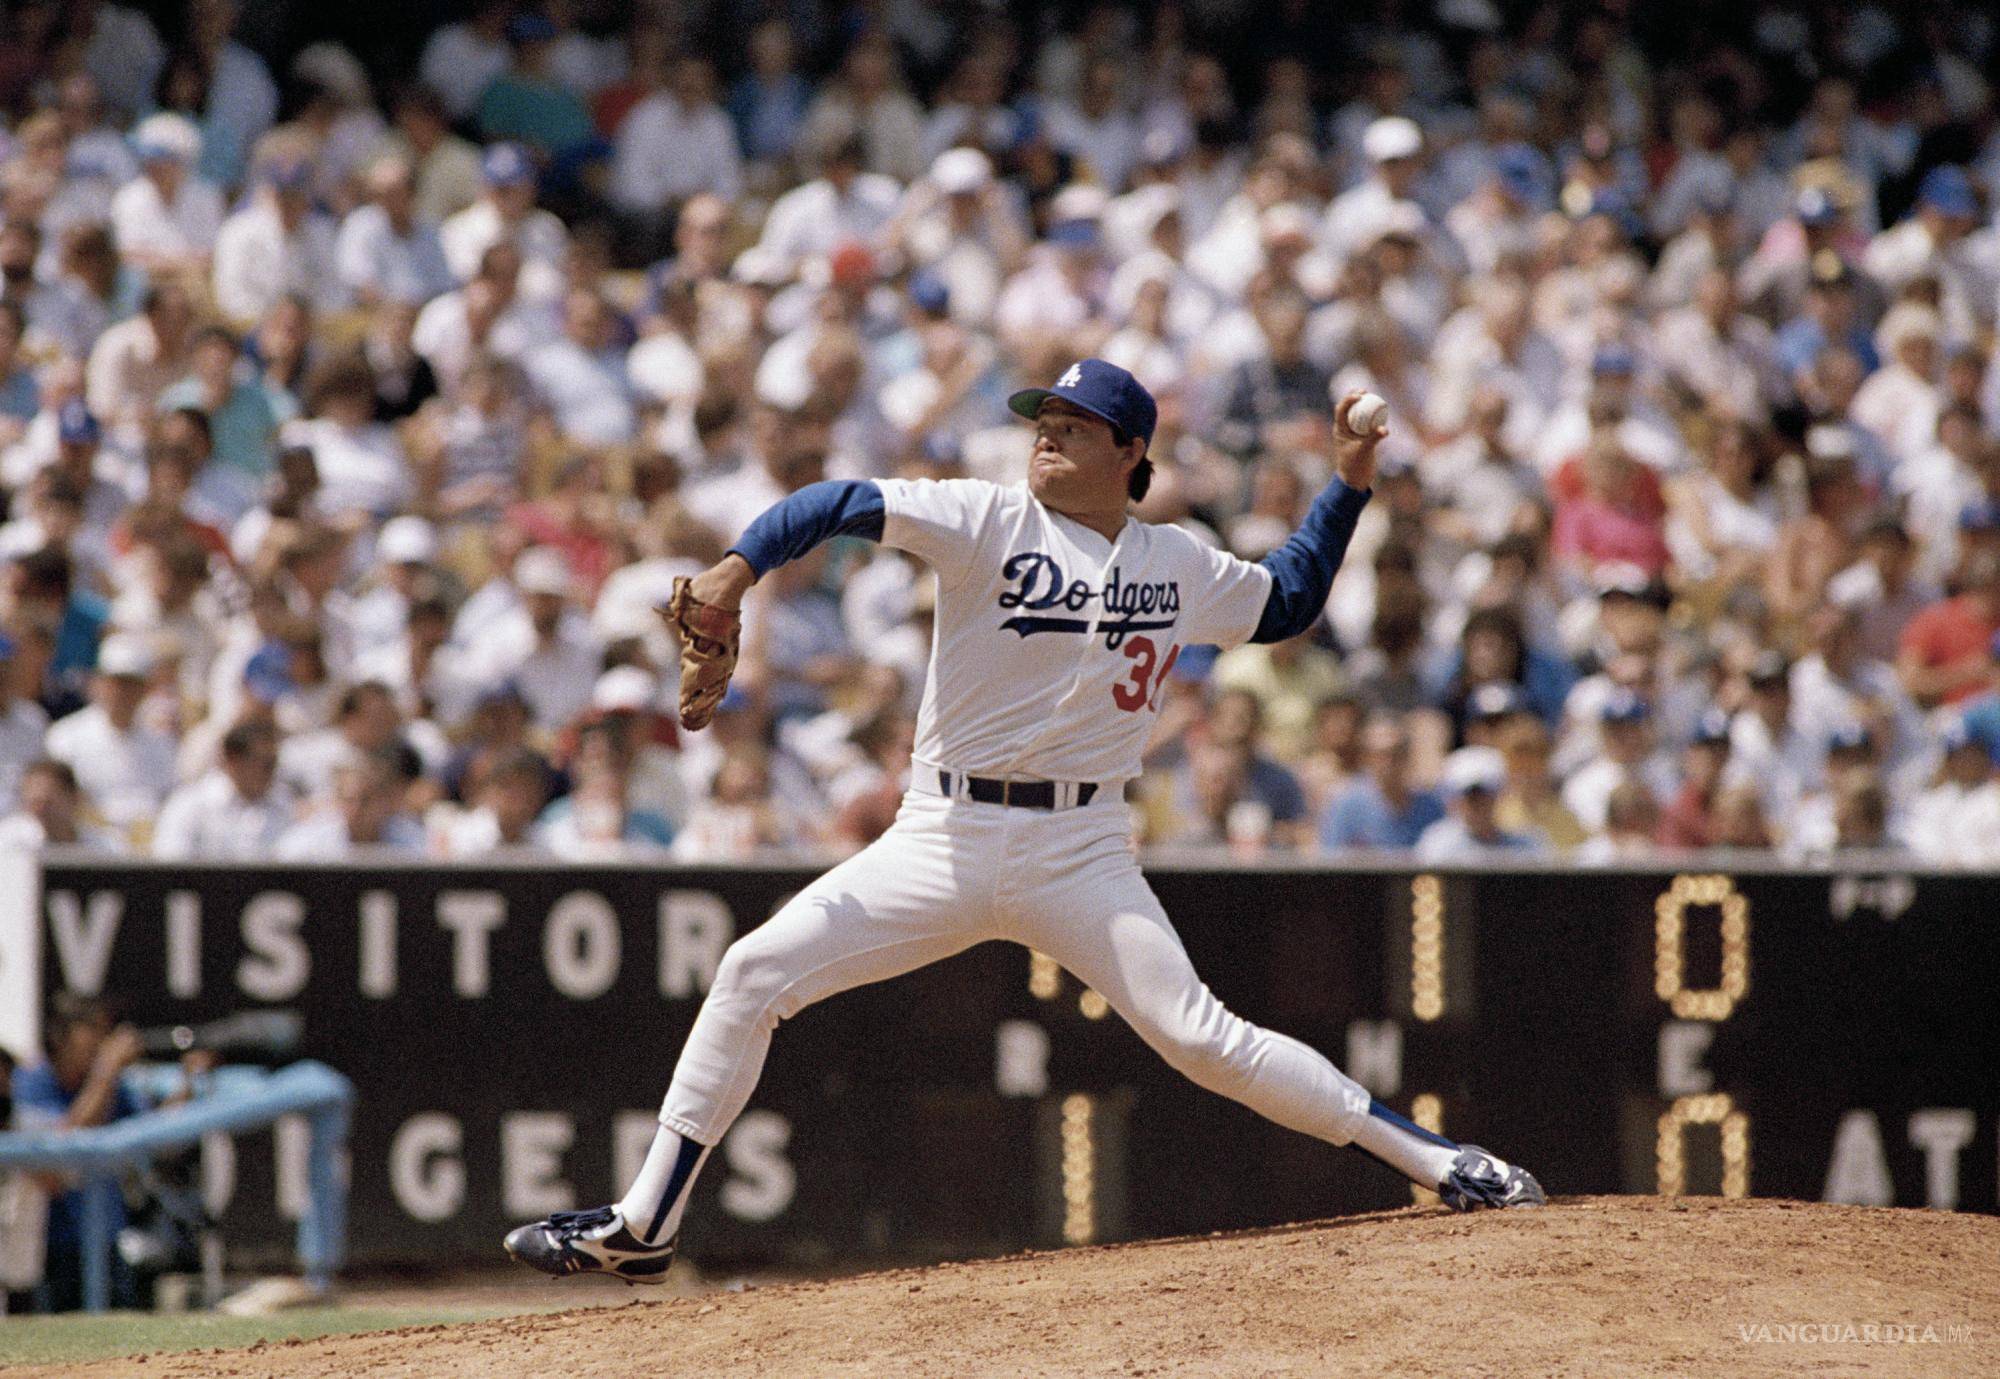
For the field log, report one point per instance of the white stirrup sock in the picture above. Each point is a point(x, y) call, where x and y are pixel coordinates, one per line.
point(652, 1206)
point(1418, 1154)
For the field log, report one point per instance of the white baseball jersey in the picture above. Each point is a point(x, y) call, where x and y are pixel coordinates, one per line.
point(1052, 644)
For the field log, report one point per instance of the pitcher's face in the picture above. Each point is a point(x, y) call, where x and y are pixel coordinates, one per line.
point(1077, 466)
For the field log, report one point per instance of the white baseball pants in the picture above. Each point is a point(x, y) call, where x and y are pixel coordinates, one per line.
point(950, 874)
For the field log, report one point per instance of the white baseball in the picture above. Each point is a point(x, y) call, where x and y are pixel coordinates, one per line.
point(1365, 417)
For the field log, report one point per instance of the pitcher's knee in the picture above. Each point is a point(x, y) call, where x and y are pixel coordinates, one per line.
point(1208, 1058)
point(750, 974)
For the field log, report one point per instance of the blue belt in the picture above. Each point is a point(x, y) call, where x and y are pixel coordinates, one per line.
point(1025, 794)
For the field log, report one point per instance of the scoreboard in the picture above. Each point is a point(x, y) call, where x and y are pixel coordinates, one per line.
point(511, 1029)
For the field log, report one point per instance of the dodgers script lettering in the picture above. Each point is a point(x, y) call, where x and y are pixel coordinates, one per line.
point(1040, 585)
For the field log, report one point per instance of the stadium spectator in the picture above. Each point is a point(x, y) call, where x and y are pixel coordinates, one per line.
point(1631, 824)
point(1530, 805)
point(365, 723)
point(528, 102)
point(235, 813)
point(1211, 803)
point(276, 246)
point(1384, 809)
point(167, 218)
point(844, 203)
point(508, 793)
point(1288, 681)
point(1473, 779)
point(360, 465)
point(742, 815)
point(1689, 818)
point(24, 724)
point(1861, 815)
point(446, 168)
point(1226, 790)
point(1626, 754)
point(242, 421)
point(1943, 657)
point(542, 646)
point(124, 767)
point(768, 102)
point(598, 821)
point(359, 814)
point(580, 376)
point(674, 143)
point(136, 359)
point(51, 814)
point(386, 250)
point(506, 213)
point(461, 60)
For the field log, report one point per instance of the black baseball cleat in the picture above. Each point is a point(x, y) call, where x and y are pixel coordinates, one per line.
point(591, 1242)
point(1479, 1180)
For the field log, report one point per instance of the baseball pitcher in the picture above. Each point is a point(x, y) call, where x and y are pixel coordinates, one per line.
point(1059, 616)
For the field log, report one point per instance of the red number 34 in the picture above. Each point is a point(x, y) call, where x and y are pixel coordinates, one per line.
point(1142, 688)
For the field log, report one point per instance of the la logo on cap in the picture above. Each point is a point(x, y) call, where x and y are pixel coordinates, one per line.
point(1072, 378)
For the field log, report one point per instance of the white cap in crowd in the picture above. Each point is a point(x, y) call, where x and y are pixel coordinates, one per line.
point(1392, 137)
point(1475, 768)
point(958, 171)
point(625, 689)
point(543, 570)
point(125, 655)
point(167, 136)
point(407, 540)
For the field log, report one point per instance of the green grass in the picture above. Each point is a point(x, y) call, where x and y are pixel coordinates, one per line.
point(57, 1340)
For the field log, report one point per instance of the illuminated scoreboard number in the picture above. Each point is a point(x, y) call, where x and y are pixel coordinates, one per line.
point(1083, 1130)
point(1709, 1006)
point(1426, 996)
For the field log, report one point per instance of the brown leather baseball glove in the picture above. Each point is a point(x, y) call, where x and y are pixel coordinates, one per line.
point(709, 637)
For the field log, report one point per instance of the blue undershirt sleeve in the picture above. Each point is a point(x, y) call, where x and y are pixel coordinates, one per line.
point(794, 525)
point(1302, 569)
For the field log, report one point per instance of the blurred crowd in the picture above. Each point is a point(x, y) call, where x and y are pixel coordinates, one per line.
point(354, 417)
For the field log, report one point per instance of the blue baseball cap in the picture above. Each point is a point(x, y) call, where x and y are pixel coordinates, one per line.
point(941, 448)
point(1983, 515)
point(76, 426)
point(1524, 173)
point(532, 27)
point(1712, 729)
point(1614, 359)
point(1101, 389)
point(1074, 234)
point(1717, 197)
point(287, 174)
point(929, 293)
point(268, 674)
point(1816, 207)
point(1949, 190)
point(508, 691)
point(1623, 706)
point(507, 165)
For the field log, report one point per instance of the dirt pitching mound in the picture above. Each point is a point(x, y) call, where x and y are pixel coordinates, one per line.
point(1595, 1288)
